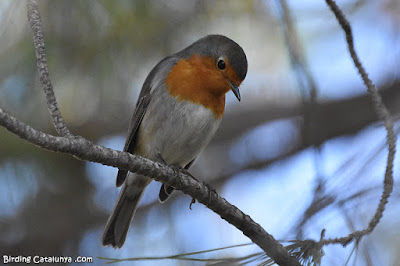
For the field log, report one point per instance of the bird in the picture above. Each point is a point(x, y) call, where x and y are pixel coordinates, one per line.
point(178, 111)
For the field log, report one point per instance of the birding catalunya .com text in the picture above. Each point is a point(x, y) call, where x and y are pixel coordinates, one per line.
point(45, 259)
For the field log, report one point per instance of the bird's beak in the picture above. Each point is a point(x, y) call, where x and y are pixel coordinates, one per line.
point(235, 90)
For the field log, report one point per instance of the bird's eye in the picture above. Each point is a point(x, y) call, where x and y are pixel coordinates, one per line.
point(221, 64)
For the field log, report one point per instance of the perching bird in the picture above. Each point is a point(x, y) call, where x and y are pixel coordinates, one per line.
point(178, 111)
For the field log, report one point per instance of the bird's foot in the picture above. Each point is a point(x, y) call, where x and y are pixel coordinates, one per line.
point(160, 159)
point(192, 202)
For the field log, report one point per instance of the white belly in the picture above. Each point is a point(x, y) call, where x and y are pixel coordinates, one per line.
point(179, 131)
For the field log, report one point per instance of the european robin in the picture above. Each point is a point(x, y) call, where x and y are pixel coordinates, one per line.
point(179, 109)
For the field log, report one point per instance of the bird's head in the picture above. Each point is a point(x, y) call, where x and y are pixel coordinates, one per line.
point(207, 70)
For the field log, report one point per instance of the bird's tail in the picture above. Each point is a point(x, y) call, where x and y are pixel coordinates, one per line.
point(118, 223)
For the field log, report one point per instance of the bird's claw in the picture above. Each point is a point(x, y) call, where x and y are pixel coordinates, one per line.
point(192, 202)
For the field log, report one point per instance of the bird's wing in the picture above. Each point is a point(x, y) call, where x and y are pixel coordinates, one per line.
point(133, 130)
point(153, 81)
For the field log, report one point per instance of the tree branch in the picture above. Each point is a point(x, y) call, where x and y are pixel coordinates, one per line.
point(383, 115)
point(88, 151)
point(41, 61)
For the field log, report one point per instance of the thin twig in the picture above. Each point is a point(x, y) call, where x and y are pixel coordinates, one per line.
point(304, 77)
point(41, 61)
point(384, 115)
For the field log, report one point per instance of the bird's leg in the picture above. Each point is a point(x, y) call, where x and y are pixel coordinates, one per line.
point(177, 168)
point(159, 157)
point(161, 160)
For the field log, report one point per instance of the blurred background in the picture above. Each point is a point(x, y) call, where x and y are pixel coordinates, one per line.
point(302, 152)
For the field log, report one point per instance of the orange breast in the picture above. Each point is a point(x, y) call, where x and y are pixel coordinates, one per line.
point(198, 80)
